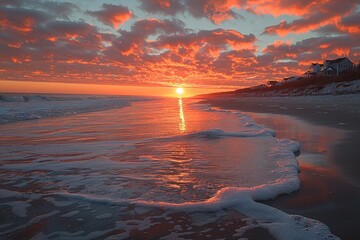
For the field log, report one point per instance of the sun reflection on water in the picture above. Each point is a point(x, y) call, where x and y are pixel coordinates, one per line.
point(182, 123)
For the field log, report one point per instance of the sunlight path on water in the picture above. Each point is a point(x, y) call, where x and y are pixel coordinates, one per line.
point(182, 124)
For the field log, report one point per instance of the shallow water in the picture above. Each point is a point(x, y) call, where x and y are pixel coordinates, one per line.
point(105, 173)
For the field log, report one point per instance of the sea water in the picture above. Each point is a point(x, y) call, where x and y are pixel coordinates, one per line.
point(94, 167)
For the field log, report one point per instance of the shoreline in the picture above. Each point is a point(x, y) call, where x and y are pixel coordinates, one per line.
point(330, 190)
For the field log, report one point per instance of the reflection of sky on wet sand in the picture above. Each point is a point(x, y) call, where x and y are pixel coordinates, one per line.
point(321, 178)
point(316, 140)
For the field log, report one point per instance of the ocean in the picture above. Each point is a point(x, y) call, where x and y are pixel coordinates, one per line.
point(112, 167)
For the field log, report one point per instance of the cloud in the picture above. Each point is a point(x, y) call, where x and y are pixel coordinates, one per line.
point(152, 52)
point(311, 14)
point(217, 39)
point(314, 15)
point(314, 49)
point(112, 15)
point(216, 11)
point(14, 3)
point(166, 7)
point(21, 19)
point(60, 9)
point(137, 38)
point(163, 50)
point(347, 25)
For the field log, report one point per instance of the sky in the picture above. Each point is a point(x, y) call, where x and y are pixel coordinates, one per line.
point(152, 46)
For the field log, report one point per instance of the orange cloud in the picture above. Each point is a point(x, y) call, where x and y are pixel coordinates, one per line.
point(21, 19)
point(112, 15)
point(312, 14)
point(169, 7)
point(282, 7)
point(300, 26)
point(215, 11)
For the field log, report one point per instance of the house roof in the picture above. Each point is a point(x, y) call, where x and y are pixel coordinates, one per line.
point(315, 64)
point(329, 69)
point(337, 60)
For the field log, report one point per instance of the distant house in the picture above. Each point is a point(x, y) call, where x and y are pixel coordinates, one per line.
point(309, 73)
point(314, 70)
point(272, 83)
point(316, 67)
point(333, 67)
point(258, 86)
point(291, 79)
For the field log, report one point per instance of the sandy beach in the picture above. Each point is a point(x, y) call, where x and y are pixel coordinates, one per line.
point(328, 128)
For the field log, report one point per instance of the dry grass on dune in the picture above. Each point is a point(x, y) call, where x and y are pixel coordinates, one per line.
point(302, 86)
point(316, 82)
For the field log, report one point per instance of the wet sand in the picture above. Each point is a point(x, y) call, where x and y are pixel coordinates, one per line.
point(328, 127)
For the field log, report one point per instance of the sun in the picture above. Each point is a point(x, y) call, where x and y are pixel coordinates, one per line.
point(180, 91)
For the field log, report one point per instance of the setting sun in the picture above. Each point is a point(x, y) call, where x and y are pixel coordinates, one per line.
point(180, 91)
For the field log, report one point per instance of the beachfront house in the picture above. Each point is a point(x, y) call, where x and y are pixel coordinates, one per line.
point(333, 67)
point(314, 70)
point(329, 71)
point(337, 66)
point(309, 73)
point(316, 67)
point(258, 86)
point(291, 79)
point(272, 83)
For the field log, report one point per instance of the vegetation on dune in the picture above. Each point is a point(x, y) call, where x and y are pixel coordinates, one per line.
point(302, 86)
point(306, 82)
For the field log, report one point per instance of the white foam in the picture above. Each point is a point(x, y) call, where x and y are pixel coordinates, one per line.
point(9, 194)
point(104, 216)
point(216, 133)
point(19, 208)
point(70, 214)
point(27, 107)
point(279, 224)
point(29, 223)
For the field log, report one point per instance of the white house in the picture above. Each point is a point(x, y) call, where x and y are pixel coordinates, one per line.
point(330, 67)
point(337, 66)
point(291, 79)
point(314, 70)
point(315, 67)
point(329, 71)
